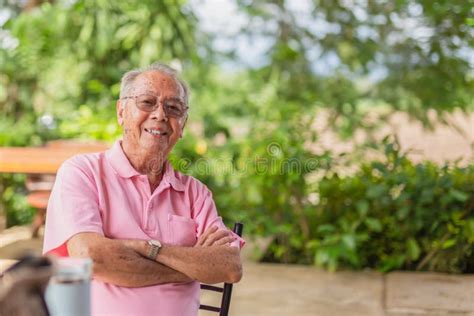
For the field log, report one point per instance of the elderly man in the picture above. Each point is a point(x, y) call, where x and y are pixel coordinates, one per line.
point(152, 232)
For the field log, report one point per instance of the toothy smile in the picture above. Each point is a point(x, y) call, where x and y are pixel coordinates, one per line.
point(155, 132)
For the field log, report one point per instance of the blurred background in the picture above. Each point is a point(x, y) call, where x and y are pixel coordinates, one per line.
point(341, 133)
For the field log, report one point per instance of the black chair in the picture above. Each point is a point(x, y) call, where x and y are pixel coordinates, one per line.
point(226, 291)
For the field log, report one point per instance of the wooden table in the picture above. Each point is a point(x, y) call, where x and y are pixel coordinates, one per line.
point(41, 160)
point(41, 164)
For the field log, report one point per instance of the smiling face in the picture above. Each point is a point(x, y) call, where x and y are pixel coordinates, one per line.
point(149, 135)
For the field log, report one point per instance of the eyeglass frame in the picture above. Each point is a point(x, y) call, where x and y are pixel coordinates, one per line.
point(157, 105)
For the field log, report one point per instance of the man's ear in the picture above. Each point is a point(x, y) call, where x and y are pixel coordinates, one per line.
point(120, 110)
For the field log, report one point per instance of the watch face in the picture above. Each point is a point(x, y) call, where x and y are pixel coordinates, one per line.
point(155, 243)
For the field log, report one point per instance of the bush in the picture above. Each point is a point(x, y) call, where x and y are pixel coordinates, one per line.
point(17, 209)
point(391, 214)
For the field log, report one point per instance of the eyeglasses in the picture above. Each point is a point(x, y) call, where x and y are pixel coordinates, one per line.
point(172, 107)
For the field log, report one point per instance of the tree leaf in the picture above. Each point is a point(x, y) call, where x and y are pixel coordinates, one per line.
point(413, 249)
point(373, 224)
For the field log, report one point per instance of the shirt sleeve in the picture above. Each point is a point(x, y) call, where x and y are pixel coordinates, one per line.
point(72, 208)
point(206, 215)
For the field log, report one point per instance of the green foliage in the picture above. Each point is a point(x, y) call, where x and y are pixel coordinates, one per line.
point(87, 124)
point(417, 49)
point(393, 214)
point(17, 210)
point(74, 54)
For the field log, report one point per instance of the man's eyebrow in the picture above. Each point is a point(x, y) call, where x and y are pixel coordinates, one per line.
point(175, 99)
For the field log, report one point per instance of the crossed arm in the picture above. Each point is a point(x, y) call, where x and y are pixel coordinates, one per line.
point(124, 262)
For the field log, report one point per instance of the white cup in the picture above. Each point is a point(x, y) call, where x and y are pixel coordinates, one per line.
point(68, 292)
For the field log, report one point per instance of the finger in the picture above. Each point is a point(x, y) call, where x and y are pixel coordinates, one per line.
point(206, 233)
point(204, 236)
point(212, 238)
point(225, 240)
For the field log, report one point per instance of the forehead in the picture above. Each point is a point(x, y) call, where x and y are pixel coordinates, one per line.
point(157, 83)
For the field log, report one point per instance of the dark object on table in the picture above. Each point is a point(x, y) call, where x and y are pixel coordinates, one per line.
point(23, 285)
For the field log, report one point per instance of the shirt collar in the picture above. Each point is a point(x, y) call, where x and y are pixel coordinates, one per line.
point(119, 162)
point(170, 176)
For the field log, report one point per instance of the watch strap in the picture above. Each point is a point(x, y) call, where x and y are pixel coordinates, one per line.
point(154, 249)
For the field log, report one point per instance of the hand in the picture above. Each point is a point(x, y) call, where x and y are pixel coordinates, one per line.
point(214, 237)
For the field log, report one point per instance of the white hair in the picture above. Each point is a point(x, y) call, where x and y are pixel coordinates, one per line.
point(129, 77)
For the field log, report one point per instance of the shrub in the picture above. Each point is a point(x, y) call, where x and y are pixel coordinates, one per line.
point(391, 214)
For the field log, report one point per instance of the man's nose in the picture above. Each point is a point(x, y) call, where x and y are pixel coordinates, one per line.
point(159, 113)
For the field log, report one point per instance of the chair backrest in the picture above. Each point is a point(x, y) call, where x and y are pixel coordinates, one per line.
point(226, 291)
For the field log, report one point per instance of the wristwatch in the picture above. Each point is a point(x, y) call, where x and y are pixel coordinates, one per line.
point(155, 247)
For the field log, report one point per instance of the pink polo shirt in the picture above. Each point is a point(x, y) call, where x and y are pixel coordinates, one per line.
point(103, 193)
